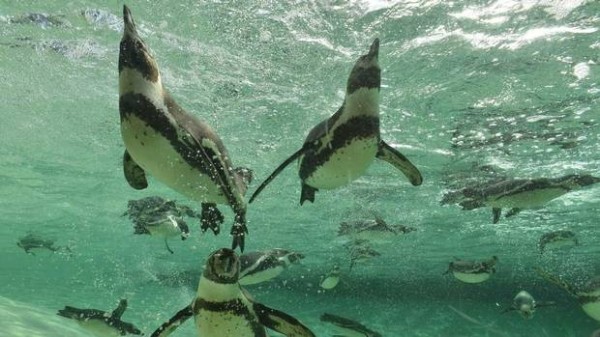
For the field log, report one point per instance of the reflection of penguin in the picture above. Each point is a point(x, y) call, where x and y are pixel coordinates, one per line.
point(341, 148)
point(331, 280)
point(223, 309)
point(472, 271)
point(101, 323)
point(526, 305)
point(175, 147)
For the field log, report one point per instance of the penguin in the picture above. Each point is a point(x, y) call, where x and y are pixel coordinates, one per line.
point(101, 323)
point(331, 279)
point(256, 267)
point(372, 230)
point(165, 227)
point(588, 296)
point(340, 149)
point(31, 242)
point(526, 305)
point(348, 327)
point(472, 271)
point(518, 194)
point(223, 309)
point(557, 239)
point(360, 250)
point(165, 141)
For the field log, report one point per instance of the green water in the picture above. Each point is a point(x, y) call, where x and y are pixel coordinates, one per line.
point(511, 85)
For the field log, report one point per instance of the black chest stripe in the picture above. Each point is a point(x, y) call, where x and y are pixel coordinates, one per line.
point(235, 307)
point(191, 151)
point(353, 129)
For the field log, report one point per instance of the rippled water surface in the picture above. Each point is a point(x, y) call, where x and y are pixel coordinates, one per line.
point(472, 91)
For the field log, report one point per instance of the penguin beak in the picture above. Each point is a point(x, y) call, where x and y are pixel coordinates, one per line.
point(130, 29)
point(374, 50)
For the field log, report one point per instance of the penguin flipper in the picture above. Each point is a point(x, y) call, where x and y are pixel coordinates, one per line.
point(118, 312)
point(281, 322)
point(134, 174)
point(557, 281)
point(399, 161)
point(308, 193)
point(496, 212)
point(278, 170)
point(169, 326)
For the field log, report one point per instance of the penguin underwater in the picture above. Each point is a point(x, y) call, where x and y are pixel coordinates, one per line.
point(102, 323)
point(341, 148)
point(175, 147)
point(526, 305)
point(223, 309)
point(518, 194)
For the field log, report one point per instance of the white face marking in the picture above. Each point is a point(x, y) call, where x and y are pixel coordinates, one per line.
point(132, 81)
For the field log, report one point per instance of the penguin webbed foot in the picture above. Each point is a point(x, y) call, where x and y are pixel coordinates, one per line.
point(308, 193)
point(211, 218)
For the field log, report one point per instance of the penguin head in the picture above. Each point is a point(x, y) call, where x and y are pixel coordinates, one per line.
point(134, 53)
point(582, 179)
point(223, 266)
point(366, 72)
point(185, 230)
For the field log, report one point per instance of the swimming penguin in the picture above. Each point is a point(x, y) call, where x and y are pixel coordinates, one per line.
point(154, 206)
point(256, 267)
point(331, 279)
point(341, 148)
point(526, 305)
point(165, 227)
point(31, 242)
point(348, 327)
point(472, 271)
point(518, 194)
point(557, 239)
point(223, 309)
point(372, 230)
point(172, 145)
point(360, 250)
point(101, 323)
point(588, 296)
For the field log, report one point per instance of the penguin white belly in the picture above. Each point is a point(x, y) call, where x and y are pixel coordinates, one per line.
point(222, 324)
point(155, 154)
point(345, 165)
point(592, 309)
point(99, 328)
point(471, 278)
point(530, 199)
